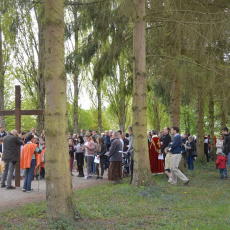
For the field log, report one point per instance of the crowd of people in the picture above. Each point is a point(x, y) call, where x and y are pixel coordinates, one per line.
point(31, 156)
point(109, 151)
point(112, 151)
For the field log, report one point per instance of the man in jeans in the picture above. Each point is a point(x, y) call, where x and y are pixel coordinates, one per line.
point(226, 148)
point(175, 149)
point(10, 157)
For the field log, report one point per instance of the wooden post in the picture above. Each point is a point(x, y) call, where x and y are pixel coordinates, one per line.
point(18, 128)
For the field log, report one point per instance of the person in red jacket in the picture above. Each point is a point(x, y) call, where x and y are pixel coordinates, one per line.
point(221, 163)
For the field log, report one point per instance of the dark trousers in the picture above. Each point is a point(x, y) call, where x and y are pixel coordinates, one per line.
point(102, 162)
point(106, 162)
point(28, 178)
point(190, 162)
point(80, 162)
point(8, 172)
point(221, 172)
point(131, 169)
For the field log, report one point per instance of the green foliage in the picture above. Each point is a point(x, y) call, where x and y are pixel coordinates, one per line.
point(62, 223)
point(88, 119)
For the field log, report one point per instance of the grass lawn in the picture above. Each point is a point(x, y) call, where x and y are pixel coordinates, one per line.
point(205, 204)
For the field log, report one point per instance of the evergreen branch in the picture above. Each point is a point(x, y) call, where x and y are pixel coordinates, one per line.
point(69, 3)
point(188, 11)
point(194, 63)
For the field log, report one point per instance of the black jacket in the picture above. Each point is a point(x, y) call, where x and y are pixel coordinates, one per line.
point(102, 152)
point(193, 147)
point(10, 144)
point(166, 140)
point(226, 148)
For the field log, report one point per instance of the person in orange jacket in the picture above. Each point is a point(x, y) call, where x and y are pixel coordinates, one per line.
point(30, 157)
point(40, 163)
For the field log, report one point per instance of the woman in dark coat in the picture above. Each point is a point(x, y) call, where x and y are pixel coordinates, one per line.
point(101, 150)
point(190, 149)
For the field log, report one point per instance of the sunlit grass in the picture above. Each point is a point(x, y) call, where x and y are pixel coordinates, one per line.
point(205, 204)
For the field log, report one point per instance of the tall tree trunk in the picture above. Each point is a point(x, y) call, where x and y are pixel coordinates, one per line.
point(211, 125)
point(2, 118)
point(175, 99)
point(175, 94)
point(200, 123)
point(99, 112)
point(58, 180)
point(140, 145)
point(122, 105)
point(76, 73)
point(41, 68)
point(223, 112)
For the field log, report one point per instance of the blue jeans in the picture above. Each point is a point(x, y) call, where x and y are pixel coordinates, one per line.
point(228, 163)
point(28, 178)
point(190, 162)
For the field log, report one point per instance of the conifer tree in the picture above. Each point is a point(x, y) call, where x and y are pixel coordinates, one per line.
point(58, 178)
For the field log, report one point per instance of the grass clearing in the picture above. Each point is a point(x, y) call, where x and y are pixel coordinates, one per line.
point(205, 204)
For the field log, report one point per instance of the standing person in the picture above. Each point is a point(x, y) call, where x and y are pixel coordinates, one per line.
point(206, 143)
point(2, 132)
point(30, 157)
point(89, 146)
point(94, 134)
point(166, 139)
point(33, 131)
point(115, 158)
point(108, 144)
point(82, 133)
point(149, 137)
point(190, 149)
point(101, 150)
point(80, 156)
point(175, 149)
point(221, 163)
point(10, 157)
point(220, 144)
point(130, 151)
point(43, 136)
point(168, 164)
point(226, 148)
point(71, 155)
point(126, 142)
point(95, 154)
point(156, 165)
point(120, 138)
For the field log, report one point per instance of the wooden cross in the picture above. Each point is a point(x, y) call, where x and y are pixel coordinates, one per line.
point(18, 113)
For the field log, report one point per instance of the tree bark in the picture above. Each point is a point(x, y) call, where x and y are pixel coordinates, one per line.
point(58, 180)
point(41, 68)
point(211, 126)
point(175, 94)
point(2, 118)
point(200, 123)
point(223, 112)
point(76, 74)
point(99, 112)
point(122, 106)
point(140, 145)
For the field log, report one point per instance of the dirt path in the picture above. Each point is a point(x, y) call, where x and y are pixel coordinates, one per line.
point(14, 198)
